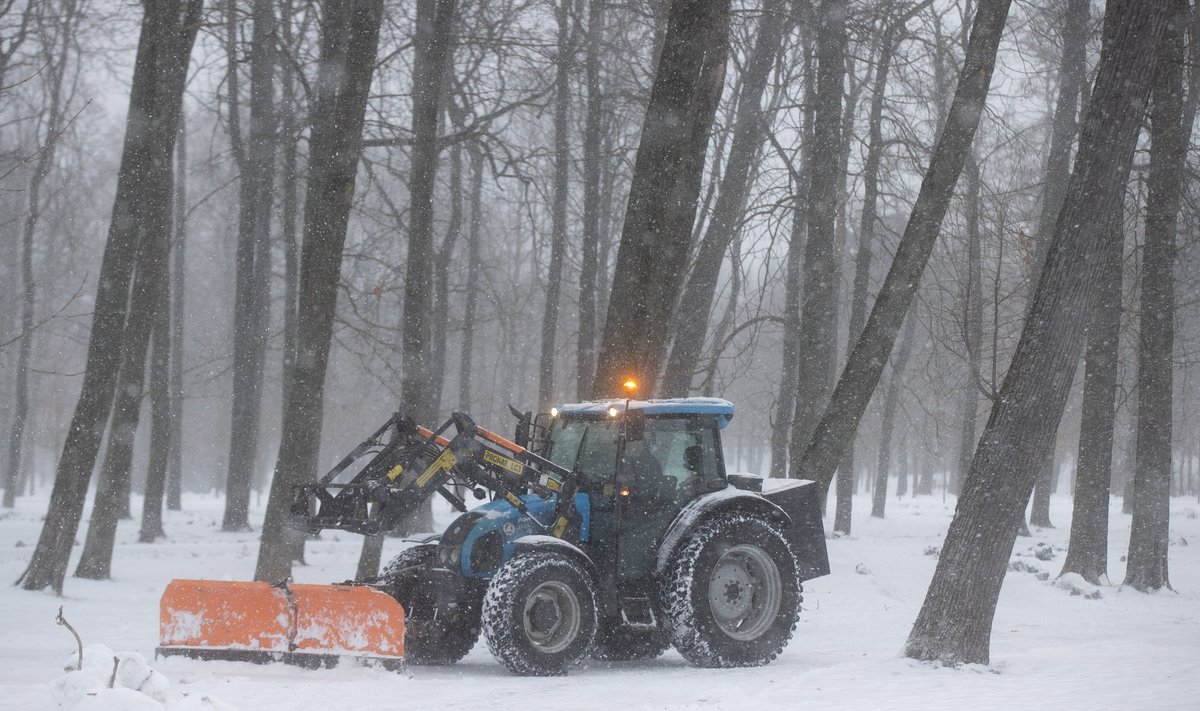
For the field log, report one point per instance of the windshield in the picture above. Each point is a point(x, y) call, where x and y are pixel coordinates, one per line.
point(597, 458)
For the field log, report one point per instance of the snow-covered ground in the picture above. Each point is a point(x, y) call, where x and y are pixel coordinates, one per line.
point(1051, 649)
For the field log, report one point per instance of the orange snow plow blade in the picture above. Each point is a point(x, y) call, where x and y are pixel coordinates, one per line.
point(308, 625)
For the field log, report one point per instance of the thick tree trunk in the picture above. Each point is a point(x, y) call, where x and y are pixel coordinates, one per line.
point(891, 402)
point(95, 562)
point(558, 209)
point(141, 214)
point(349, 38)
point(589, 271)
point(817, 339)
point(1087, 551)
point(256, 159)
point(954, 625)
point(656, 237)
point(1146, 569)
point(432, 52)
point(839, 423)
point(692, 316)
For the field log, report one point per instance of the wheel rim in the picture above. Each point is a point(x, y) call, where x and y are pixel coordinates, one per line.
point(551, 617)
point(745, 592)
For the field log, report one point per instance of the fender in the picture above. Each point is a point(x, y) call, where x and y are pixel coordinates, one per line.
point(540, 542)
point(728, 499)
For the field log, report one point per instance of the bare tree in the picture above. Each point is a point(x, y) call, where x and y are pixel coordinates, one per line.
point(255, 154)
point(817, 338)
point(1071, 76)
point(1146, 569)
point(1087, 550)
point(891, 402)
point(589, 270)
point(954, 625)
point(141, 216)
point(750, 124)
point(349, 40)
point(57, 27)
point(178, 250)
point(432, 48)
point(558, 210)
point(656, 236)
point(837, 425)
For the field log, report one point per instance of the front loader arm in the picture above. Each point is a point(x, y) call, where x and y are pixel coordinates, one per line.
point(419, 462)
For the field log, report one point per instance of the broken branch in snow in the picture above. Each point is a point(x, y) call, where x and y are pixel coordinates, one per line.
point(60, 620)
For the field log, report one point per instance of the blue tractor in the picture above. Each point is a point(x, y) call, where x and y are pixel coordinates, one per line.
point(612, 530)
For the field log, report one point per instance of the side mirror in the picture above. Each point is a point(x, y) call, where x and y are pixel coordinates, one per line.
point(693, 458)
point(635, 425)
point(524, 426)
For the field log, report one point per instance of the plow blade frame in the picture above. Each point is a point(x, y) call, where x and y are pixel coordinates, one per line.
point(306, 625)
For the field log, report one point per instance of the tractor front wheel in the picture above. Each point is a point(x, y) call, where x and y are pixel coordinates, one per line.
point(733, 594)
point(431, 637)
point(539, 614)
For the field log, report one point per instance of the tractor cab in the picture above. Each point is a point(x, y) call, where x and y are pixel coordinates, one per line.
point(640, 462)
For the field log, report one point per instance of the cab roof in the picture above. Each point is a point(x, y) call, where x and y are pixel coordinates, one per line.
point(723, 409)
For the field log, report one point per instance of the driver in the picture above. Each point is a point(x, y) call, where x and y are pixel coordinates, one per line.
point(643, 473)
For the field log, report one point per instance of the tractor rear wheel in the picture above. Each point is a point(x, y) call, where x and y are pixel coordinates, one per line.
point(431, 637)
point(733, 594)
point(539, 614)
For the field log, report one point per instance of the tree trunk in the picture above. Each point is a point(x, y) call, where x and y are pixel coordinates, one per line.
point(656, 236)
point(160, 410)
point(785, 403)
point(433, 54)
point(891, 401)
point(692, 316)
point(589, 272)
point(141, 214)
point(57, 57)
point(256, 162)
point(837, 426)
point(432, 48)
point(972, 327)
point(954, 625)
point(1072, 74)
point(95, 562)
point(441, 281)
point(817, 339)
point(1087, 551)
point(1148, 538)
point(349, 37)
point(290, 128)
point(866, 242)
point(178, 250)
point(558, 210)
point(474, 264)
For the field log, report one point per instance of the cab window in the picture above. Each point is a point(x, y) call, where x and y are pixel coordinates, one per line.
point(685, 447)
